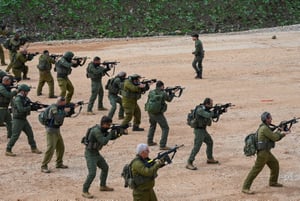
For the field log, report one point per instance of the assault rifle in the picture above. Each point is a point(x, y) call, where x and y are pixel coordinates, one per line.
point(148, 81)
point(171, 90)
point(109, 65)
point(55, 56)
point(165, 155)
point(118, 130)
point(31, 55)
point(72, 108)
point(285, 125)
point(80, 60)
point(219, 109)
point(35, 106)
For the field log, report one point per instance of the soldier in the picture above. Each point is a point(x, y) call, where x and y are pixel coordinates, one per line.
point(199, 55)
point(266, 141)
point(21, 109)
point(98, 136)
point(201, 134)
point(3, 34)
point(131, 93)
point(18, 65)
point(56, 115)
point(114, 89)
point(95, 72)
point(145, 173)
point(63, 67)
point(6, 96)
point(45, 66)
point(160, 97)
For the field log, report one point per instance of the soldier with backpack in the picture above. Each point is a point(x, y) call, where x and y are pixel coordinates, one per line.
point(156, 106)
point(203, 119)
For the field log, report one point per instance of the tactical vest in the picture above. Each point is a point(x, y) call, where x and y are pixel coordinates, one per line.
point(202, 122)
point(62, 71)
point(4, 101)
point(56, 116)
point(21, 113)
point(44, 63)
point(129, 94)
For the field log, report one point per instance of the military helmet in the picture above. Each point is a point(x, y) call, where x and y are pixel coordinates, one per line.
point(23, 87)
point(121, 74)
point(135, 76)
point(264, 116)
point(68, 55)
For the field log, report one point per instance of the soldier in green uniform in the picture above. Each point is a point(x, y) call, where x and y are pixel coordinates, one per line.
point(56, 115)
point(18, 65)
point(95, 72)
point(63, 67)
point(160, 96)
point(45, 66)
point(266, 141)
point(3, 34)
point(21, 109)
point(6, 96)
point(199, 55)
point(201, 135)
point(144, 174)
point(114, 89)
point(98, 136)
point(131, 93)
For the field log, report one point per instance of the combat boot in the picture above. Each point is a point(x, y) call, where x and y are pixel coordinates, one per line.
point(36, 151)
point(137, 128)
point(190, 166)
point(10, 153)
point(105, 188)
point(87, 195)
point(212, 161)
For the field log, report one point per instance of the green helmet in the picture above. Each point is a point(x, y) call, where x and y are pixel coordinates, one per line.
point(68, 55)
point(23, 87)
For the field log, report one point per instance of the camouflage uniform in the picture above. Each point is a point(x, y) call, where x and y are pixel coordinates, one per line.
point(19, 67)
point(199, 55)
point(45, 66)
point(264, 156)
point(159, 118)
point(113, 90)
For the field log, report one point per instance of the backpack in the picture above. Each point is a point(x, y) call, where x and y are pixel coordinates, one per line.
point(192, 119)
point(7, 44)
point(154, 103)
point(43, 116)
point(250, 147)
point(128, 176)
point(109, 83)
point(85, 139)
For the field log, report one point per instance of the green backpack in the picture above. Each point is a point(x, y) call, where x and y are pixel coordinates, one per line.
point(43, 116)
point(154, 103)
point(192, 118)
point(250, 147)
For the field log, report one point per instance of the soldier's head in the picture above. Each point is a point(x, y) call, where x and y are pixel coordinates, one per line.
point(135, 78)
point(160, 84)
point(266, 118)
point(208, 103)
point(23, 89)
point(122, 75)
point(195, 36)
point(6, 80)
point(68, 56)
point(142, 150)
point(97, 61)
point(105, 123)
point(46, 52)
point(23, 51)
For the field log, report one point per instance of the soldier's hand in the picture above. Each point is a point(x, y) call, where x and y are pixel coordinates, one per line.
point(141, 85)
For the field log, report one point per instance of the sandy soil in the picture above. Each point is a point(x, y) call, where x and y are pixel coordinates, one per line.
point(251, 70)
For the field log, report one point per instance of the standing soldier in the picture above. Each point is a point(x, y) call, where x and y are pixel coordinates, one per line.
point(157, 99)
point(3, 34)
point(145, 173)
point(18, 65)
point(21, 109)
point(114, 89)
point(45, 66)
point(6, 96)
point(63, 68)
point(98, 136)
point(266, 141)
point(131, 93)
point(95, 72)
point(56, 115)
point(201, 135)
point(199, 55)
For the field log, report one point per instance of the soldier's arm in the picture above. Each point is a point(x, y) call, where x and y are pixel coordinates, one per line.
point(140, 168)
point(204, 113)
point(100, 137)
point(198, 48)
point(131, 87)
point(7, 94)
point(274, 136)
point(18, 103)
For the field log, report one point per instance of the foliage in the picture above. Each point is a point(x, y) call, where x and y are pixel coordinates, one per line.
point(74, 19)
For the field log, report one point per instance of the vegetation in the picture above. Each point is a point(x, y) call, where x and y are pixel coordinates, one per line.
point(75, 19)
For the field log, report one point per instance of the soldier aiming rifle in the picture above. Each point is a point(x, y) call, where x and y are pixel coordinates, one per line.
point(109, 65)
point(173, 90)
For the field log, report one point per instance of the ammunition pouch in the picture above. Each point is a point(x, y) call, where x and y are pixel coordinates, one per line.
point(265, 145)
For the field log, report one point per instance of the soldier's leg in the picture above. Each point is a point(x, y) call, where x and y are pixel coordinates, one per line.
point(25, 72)
point(209, 144)
point(28, 131)
point(273, 164)
point(41, 84)
point(128, 109)
point(113, 103)
point(152, 128)
point(17, 127)
point(50, 82)
point(2, 58)
point(51, 145)
point(60, 150)
point(256, 169)
point(100, 95)
point(198, 140)
point(17, 74)
point(70, 91)
point(91, 162)
point(102, 164)
point(8, 122)
point(121, 109)
point(152, 195)
point(163, 123)
point(194, 64)
point(62, 83)
point(199, 66)
point(137, 115)
point(12, 56)
point(94, 92)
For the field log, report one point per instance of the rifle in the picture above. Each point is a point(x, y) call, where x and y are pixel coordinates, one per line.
point(285, 125)
point(171, 90)
point(31, 55)
point(148, 81)
point(165, 155)
point(118, 130)
point(72, 108)
point(80, 60)
point(109, 65)
point(55, 56)
point(220, 109)
point(35, 106)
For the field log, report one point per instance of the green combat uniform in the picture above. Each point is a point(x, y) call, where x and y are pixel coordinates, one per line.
point(45, 66)
point(2, 58)
point(21, 109)
point(159, 117)
point(19, 67)
point(63, 68)
point(113, 90)
point(98, 137)
point(201, 134)
point(144, 177)
point(130, 95)
point(199, 55)
point(266, 141)
point(95, 73)
point(6, 96)
point(55, 141)
point(15, 44)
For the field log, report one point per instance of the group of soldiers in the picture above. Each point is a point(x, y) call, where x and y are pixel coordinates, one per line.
point(124, 91)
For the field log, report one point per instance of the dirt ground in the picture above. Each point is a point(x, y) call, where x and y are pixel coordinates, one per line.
point(249, 69)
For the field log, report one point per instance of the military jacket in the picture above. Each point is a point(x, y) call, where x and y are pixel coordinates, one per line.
point(95, 72)
point(56, 116)
point(20, 60)
point(204, 116)
point(198, 48)
point(21, 107)
point(6, 95)
point(45, 63)
point(15, 44)
point(63, 68)
point(131, 91)
point(99, 137)
point(165, 97)
point(267, 138)
point(116, 86)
